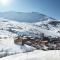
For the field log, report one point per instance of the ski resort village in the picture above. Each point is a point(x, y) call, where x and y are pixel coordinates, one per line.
point(29, 36)
point(29, 41)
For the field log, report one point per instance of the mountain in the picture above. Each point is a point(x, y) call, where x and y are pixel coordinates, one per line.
point(24, 17)
point(33, 29)
point(10, 29)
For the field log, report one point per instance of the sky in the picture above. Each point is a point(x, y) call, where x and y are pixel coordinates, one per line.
point(47, 7)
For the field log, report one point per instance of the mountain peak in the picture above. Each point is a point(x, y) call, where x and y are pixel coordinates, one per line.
point(30, 17)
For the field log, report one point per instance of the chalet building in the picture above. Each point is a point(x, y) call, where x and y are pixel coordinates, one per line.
point(20, 40)
point(53, 43)
point(30, 41)
point(52, 46)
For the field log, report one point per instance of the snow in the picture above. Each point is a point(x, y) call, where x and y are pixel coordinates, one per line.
point(31, 28)
point(10, 29)
point(35, 55)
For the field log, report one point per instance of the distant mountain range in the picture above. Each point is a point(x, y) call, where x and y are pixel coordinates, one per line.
point(24, 17)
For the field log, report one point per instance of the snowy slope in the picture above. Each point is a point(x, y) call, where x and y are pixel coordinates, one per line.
point(49, 27)
point(35, 55)
point(7, 38)
point(24, 16)
point(34, 29)
point(10, 29)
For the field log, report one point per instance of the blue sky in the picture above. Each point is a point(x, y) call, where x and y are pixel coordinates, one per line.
point(48, 7)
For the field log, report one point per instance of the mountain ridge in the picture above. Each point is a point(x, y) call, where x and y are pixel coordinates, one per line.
point(30, 17)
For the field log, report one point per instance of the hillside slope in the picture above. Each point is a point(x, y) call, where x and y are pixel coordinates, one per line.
point(24, 17)
point(10, 29)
